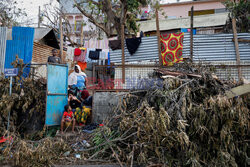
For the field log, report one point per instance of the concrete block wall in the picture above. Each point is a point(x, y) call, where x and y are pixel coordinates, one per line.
point(104, 104)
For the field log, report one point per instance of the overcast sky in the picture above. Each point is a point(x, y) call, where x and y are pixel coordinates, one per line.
point(31, 6)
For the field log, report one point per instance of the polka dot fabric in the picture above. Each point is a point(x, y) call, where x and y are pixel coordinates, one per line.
point(171, 48)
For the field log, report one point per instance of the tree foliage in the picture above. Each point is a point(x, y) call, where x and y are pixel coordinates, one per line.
point(109, 15)
point(241, 11)
point(10, 14)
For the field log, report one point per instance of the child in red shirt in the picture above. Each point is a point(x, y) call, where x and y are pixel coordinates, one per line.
point(68, 117)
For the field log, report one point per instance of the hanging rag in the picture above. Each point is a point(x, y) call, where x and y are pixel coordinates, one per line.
point(115, 44)
point(88, 60)
point(81, 57)
point(73, 76)
point(77, 52)
point(133, 44)
point(108, 59)
point(102, 55)
point(171, 48)
point(83, 65)
point(94, 55)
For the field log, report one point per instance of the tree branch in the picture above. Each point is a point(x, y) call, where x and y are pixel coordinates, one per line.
point(91, 18)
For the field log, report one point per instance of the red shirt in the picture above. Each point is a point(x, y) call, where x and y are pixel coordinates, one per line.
point(68, 115)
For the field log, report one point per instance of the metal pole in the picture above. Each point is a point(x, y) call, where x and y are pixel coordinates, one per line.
point(9, 111)
point(191, 33)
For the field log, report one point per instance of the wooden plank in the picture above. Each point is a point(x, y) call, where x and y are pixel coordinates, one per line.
point(61, 40)
point(158, 36)
point(123, 54)
point(237, 91)
point(236, 44)
point(191, 33)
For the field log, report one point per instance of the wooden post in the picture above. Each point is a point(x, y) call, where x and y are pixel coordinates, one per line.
point(123, 54)
point(236, 44)
point(61, 39)
point(81, 40)
point(191, 33)
point(39, 17)
point(158, 36)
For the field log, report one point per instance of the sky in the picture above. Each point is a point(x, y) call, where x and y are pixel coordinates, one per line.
point(31, 7)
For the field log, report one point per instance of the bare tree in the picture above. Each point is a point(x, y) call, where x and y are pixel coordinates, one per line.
point(109, 15)
point(10, 14)
point(50, 18)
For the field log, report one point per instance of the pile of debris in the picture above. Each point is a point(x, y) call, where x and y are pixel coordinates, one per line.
point(26, 105)
point(184, 120)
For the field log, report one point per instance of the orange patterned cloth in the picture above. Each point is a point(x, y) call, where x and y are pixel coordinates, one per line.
point(171, 48)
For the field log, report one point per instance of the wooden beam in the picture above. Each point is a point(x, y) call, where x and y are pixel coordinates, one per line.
point(123, 53)
point(61, 39)
point(39, 17)
point(237, 91)
point(81, 39)
point(191, 33)
point(236, 44)
point(158, 36)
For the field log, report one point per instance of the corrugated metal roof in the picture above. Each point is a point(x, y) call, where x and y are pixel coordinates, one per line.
point(211, 47)
point(216, 47)
point(3, 37)
point(21, 45)
point(40, 33)
point(199, 21)
point(148, 50)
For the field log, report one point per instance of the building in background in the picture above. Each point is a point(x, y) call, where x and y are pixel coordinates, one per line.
point(183, 9)
point(81, 30)
point(210, 17)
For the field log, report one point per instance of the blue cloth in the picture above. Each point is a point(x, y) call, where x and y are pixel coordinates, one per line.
point(81, 82)
point(186, 30)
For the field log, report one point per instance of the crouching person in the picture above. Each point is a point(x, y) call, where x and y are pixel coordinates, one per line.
point(68, 118)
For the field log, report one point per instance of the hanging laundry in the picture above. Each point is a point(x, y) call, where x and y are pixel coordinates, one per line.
point(88, 60)
point(83, 65)
point(82, 56)
point(115, 44)
point(94, 55)
point(77, 52)
point(108, 59)
point(133, 44)
point(171, 48)
point(102, 56)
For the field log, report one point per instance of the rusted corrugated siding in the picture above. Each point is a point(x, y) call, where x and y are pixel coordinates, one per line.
point(3, 37)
